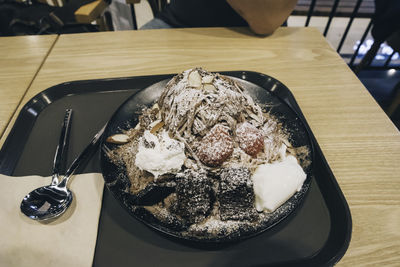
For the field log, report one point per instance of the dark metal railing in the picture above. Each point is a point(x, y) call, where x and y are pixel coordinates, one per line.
point(351, 9)
point(346, 31)
point(310, 12)
point(324, 7)
point(387, 62)
point(331, 15)
point(364, 36)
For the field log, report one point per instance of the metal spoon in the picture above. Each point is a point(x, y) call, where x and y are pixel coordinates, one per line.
point(51, 201)
point(36, 203)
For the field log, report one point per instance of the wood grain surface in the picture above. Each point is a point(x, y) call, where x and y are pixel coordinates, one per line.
point(360, 143)
point(20, 59)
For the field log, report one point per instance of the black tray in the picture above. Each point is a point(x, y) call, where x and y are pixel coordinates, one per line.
point(317, 234)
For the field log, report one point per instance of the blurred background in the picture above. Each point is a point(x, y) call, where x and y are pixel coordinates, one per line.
point(366, 33)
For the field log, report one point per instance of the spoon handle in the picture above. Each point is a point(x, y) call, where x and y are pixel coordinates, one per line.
point(61, 147)
point(82, 157)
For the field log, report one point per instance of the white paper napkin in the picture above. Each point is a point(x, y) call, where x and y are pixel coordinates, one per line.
point(69, 240)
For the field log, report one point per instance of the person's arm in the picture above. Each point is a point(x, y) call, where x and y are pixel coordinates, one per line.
point(263, 16)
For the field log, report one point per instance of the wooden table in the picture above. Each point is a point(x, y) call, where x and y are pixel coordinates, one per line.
point(20, 60)
point(358, 140)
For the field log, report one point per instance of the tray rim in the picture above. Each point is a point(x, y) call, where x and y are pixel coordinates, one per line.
point(26, 120)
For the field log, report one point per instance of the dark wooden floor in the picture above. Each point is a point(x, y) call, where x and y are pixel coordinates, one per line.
point(344, 9)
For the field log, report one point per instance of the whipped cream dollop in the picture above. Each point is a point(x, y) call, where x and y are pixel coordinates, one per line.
point(274, 183)
point(159, 154)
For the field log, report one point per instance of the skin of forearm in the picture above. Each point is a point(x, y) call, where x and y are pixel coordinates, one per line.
point(263, 16)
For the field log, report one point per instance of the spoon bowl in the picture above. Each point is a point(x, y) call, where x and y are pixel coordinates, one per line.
point(46, 202)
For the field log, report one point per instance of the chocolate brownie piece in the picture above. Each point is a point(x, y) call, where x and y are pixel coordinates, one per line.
point(193, 190)
point(236, 195)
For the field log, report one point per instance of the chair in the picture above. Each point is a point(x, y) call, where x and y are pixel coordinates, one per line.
point(88, 12)
point(155, 5)
point(95, 11)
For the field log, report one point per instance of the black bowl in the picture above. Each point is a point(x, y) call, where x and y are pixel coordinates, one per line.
point(127, 116)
